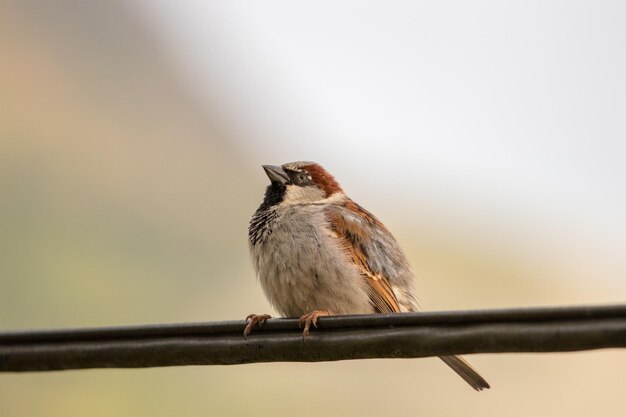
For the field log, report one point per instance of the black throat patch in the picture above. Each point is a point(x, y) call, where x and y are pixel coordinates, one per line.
point(260, 224)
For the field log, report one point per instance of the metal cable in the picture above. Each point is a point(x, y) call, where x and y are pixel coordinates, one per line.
point(407, 335)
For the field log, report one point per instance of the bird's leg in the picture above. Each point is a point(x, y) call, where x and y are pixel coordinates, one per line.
point(252, 320)
point(311, 318)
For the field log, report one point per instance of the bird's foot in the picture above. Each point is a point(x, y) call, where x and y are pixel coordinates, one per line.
point(252, 320)
point(311, 318)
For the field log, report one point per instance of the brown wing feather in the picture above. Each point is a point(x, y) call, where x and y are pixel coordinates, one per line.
point(353, 237)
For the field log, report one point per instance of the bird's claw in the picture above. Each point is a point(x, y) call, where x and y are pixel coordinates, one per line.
point(252, 320)
point(311, 318)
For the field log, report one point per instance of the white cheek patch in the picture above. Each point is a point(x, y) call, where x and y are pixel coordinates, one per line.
point(335, 198)
point(301, 195)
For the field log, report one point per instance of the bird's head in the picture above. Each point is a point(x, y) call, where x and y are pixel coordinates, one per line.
point(301, 183)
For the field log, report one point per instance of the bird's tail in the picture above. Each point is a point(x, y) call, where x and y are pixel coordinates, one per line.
point(465, 371)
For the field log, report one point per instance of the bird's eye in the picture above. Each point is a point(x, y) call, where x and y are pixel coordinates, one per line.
point(302, 177)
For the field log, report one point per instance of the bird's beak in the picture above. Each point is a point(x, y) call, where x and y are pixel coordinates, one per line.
point(276, 174)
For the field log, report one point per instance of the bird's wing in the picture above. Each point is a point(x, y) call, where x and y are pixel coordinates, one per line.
point(378, 256)
point(373, 250)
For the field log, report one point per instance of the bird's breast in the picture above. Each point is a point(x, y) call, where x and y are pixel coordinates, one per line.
point(302, 267)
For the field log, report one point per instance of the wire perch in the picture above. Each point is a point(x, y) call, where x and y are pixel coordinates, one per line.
point(407, 335)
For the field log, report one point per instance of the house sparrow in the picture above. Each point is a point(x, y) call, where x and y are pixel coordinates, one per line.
point(318, 253)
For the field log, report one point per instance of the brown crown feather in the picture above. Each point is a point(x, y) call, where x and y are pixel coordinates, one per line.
point(323, 179)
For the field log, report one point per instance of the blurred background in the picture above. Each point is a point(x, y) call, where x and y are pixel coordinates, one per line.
point(490, 137)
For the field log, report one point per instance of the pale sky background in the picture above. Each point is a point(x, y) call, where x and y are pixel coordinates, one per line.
point(510, 108)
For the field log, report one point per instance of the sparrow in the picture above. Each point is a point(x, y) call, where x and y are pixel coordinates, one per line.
point(318, 253)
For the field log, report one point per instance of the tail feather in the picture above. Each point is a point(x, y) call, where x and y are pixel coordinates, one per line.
point(465, 371)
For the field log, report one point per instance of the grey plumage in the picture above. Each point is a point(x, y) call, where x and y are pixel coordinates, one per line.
point(301, 268)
